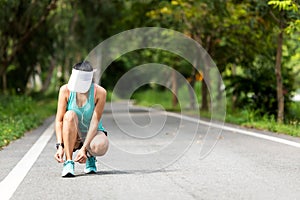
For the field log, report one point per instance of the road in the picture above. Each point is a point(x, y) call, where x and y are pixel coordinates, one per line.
point(159, 158)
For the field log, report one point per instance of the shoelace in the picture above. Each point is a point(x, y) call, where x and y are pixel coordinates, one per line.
point(91, 162)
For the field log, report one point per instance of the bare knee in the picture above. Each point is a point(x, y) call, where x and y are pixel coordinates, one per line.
point(70, 122)
point(70, 117)
point(99, 146)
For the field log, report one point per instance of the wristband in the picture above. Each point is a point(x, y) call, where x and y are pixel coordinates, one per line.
point(59, 144)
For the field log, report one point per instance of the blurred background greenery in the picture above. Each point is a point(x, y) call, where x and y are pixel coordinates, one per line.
point(254, 43)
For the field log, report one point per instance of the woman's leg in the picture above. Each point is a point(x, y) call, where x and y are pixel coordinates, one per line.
point(99, 144)
point(70, 133)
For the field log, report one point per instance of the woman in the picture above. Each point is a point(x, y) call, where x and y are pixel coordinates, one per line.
point(78, 121)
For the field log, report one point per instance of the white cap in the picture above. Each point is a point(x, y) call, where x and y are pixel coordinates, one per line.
point(80, 81)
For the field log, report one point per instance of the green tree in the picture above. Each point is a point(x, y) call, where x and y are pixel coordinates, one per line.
point(287, 18)
point(20, 22)
point(228, 30)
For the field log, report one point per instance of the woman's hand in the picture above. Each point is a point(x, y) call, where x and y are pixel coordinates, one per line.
point(59, 154)
point(81, 155)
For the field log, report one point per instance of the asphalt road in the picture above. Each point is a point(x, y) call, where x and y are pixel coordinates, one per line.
point(153, 155)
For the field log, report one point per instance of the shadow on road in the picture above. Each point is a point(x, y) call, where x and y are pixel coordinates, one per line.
point(116, 172)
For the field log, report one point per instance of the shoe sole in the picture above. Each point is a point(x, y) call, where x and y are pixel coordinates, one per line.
point(68, 175)
point(91, 172)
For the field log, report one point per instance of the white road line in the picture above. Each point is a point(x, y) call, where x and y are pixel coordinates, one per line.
point(11, 182)
point(244, 132)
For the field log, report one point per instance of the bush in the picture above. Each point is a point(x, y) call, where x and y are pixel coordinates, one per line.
point(19, 114)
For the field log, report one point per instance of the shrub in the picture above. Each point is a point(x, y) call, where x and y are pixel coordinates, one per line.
point(19, 114)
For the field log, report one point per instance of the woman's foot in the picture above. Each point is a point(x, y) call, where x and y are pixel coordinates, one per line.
point(90, 165)
point(68, 169)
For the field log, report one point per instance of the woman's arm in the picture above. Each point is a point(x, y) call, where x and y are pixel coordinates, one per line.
point(61, 110)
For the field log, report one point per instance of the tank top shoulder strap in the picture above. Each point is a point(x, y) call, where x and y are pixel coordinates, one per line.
point(68, 92)
point(95, 90)
point(70, 96)
point(91, 94)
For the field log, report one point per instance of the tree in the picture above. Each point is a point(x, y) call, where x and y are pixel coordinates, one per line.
point(286, 18)
point(17, 31)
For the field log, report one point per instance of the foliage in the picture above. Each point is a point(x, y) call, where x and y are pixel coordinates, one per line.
point(37, 36)
point(256, 88)
point(293, 116)
point(20, 114)
point(270, 124)
point(284, 5)
point(22, 40)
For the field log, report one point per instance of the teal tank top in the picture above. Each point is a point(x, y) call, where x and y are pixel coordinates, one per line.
point(85, 112)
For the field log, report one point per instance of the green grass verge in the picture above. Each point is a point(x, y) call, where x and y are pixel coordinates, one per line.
point(151, 98)
point(22, 113)
point(251, 120)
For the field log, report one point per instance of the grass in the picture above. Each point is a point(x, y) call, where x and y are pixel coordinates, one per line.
point(22, 113)
point(252, 120)
point(244, 117)
point(151, 98)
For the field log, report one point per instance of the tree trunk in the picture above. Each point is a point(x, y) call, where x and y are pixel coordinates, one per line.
point(192, 95)
point(279, 86)
point(49, 75)
point(191, 87)
point(234, 96)
point(204, 106)
point(174, 88)
point(205, 82)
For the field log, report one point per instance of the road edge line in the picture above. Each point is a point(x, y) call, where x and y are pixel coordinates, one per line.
point(244, 132)
point(11, 182)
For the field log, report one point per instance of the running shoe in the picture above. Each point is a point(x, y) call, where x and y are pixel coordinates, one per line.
point(68, 169)
point(90, 165)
